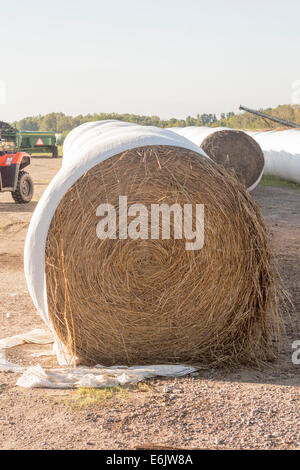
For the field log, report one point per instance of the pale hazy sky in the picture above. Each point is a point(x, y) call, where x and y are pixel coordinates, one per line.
point(170, 58)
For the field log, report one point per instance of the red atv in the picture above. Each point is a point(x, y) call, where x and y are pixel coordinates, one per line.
point(13, 178)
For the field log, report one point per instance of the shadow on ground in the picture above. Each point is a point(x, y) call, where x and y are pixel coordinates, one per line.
point(13, 207)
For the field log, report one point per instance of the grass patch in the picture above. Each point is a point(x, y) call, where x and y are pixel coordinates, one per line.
point(276, 181)
point(86, 397)
point(92, 396)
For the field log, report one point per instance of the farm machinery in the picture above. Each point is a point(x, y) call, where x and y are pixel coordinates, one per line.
point(28, 141)
point(13, 178)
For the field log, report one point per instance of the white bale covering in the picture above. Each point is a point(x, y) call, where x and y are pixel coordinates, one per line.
point(281, 149)
point(196, 133)
point(85, 147)
point(282, 153)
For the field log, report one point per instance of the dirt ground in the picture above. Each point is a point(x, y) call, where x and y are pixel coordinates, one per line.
point(223, 409)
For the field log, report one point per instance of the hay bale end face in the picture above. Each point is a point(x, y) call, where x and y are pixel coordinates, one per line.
point(237, 152)
point(145, 301)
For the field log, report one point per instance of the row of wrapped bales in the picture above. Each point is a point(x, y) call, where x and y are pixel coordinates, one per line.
point(281, 151)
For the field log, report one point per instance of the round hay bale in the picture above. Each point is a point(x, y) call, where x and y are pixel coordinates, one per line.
point(237, 152)
point(146, 301)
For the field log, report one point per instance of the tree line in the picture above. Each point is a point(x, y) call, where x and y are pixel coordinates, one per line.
point(62, 124)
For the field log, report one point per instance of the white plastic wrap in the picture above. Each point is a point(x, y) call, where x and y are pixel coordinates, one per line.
point(84, 148)
point(282, 153)
point(197, 135)
point(37, 336)
point(281, 149)
point(98, 376)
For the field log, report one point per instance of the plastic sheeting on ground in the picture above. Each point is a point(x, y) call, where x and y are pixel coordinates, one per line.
point(97, 377)
point(37, 336)
point(6, 366)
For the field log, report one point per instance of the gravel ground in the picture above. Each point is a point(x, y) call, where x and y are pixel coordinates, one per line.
point(214, 409)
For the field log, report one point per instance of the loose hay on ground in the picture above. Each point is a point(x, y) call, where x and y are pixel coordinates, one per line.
point(151, 301)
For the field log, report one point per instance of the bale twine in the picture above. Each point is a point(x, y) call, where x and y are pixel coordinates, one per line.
point(237, 152)
point(149, 301)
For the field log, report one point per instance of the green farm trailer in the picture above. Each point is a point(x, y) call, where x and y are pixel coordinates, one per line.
point(38, 142)
point(28, 141)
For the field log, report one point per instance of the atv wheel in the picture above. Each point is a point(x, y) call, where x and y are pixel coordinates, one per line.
point(24, 189)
